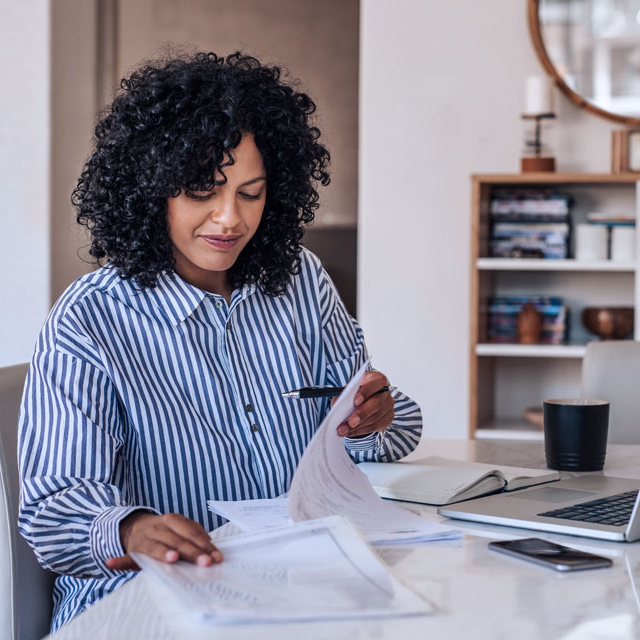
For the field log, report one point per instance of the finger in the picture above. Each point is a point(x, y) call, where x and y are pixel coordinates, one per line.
point(380, 424)
point(361, 398)
point(184, 547)
point(373, 405)
point(158, 550)
point(378, 403)
point(372, 382)
point(363, 415)
point(193, 532)
point(122, 563)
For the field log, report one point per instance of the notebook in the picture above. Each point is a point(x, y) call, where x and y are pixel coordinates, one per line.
point(441, 481)
point(602, 507)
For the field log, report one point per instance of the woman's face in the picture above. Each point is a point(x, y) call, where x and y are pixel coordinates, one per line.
point(208, 230)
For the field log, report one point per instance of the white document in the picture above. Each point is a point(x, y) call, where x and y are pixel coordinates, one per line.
point(314, 570)
point(327, 482)
point(252, 515)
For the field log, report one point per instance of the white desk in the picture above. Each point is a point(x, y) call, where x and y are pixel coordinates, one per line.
point(477, 593)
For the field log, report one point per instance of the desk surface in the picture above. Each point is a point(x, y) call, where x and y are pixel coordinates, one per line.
point(477, 594)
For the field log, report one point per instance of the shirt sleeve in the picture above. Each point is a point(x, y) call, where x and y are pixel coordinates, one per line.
point(345, 351)
point(73, 483)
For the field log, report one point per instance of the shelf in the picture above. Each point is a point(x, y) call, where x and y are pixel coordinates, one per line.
point(532, 264)
point(531, 350)
point(507, 378)
point(557, 178)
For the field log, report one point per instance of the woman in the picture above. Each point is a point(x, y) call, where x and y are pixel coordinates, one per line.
point(157, 380)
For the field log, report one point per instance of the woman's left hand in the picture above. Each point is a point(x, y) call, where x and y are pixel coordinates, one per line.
point(374, 410)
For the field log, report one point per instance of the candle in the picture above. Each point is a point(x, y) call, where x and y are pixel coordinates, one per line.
point(537, 95)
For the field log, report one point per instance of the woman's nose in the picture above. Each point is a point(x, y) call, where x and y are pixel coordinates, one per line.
point(225, 212)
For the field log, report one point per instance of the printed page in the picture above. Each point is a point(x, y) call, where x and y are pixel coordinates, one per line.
point(306, 571)
point(253, 514)
point(328, 482)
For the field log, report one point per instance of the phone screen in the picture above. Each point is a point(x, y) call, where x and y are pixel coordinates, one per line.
point(550, 554)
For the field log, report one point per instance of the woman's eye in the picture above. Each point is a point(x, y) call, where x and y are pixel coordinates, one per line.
point(199, 195)
point(250, 196)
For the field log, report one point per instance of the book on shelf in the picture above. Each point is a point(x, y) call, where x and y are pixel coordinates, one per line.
point(438, 481)
point(529, 203)
point(503, 311)
point(519, 247)
point(529, 224)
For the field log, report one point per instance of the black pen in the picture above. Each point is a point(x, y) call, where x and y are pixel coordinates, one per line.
point(320, 392)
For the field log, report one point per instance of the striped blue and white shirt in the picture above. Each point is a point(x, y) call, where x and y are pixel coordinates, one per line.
point(164, 398)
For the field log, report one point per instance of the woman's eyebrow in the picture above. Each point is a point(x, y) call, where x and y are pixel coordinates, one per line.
point(252, 181)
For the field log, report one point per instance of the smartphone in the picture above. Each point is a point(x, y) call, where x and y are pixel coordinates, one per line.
point(549, 554)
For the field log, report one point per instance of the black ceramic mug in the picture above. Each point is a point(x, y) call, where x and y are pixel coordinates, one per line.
point(575, 434)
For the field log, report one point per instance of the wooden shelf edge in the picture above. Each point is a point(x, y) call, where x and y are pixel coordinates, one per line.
point(556, 178)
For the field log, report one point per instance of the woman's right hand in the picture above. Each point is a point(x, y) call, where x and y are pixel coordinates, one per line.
point(166, 538)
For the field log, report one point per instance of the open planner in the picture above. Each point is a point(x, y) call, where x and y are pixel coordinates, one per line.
point(440, 481)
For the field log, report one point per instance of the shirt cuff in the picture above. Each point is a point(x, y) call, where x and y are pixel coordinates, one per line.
point(105, 535)
point(372, 442)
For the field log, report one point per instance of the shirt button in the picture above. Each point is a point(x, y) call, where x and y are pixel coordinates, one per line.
point(218, 304)
point(248, 407)
point(254, 427)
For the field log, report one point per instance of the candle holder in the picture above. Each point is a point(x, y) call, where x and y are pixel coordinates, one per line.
point(535, 154)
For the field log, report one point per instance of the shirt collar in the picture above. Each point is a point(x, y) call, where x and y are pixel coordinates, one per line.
point(178, 299)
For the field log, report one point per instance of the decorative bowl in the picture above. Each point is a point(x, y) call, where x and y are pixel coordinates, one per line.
point(608, 323)
point(535, 416)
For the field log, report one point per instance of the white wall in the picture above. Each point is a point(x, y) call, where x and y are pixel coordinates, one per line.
point(24, 176)
point(441, 93)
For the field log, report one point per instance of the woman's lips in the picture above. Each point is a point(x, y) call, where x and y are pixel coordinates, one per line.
point(223, 242)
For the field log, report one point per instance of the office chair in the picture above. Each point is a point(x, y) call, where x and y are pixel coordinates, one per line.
point(611, 371)
point(25, 587)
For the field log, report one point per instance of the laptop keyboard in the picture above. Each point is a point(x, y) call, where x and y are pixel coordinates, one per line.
point(613, 510)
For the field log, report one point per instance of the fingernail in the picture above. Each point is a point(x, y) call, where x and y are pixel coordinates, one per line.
point(342, 430)
point(354, 422)
point(171, 556)
point(359, 399)
point(203, 560)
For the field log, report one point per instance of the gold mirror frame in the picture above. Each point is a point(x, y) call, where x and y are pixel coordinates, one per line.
point(536, 37)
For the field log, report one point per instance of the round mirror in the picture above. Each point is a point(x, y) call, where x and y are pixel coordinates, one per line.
point(592, 50)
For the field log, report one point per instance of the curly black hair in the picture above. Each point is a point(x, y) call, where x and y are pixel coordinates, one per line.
point(170, 130)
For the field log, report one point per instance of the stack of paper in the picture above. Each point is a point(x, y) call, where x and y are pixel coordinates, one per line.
point(319, 569)
point(404, 528)
point(327, 482)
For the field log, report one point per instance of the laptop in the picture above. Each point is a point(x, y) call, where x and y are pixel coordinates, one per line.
point(602, 507)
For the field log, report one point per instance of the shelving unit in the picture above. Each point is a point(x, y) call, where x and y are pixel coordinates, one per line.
point(505, 379)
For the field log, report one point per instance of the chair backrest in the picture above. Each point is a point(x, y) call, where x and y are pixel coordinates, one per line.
point(611, 371)
point(25, 587)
